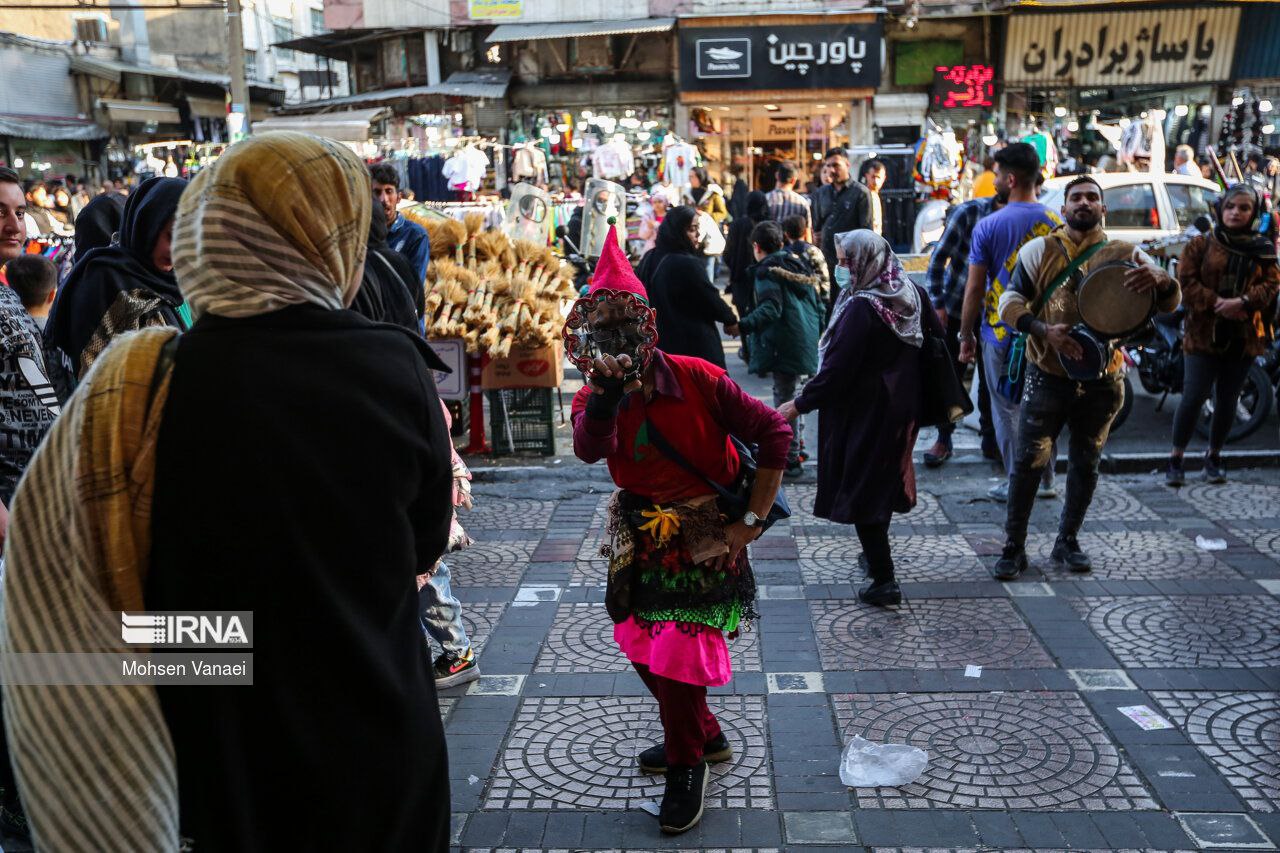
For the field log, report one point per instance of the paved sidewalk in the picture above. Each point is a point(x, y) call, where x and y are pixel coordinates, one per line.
point(1032, 753)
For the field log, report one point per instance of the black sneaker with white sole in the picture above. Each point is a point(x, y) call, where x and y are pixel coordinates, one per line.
point(654, 759)
point(682, 803)
point(452, 670)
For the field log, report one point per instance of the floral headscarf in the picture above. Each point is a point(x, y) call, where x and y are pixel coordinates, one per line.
point(876, 274)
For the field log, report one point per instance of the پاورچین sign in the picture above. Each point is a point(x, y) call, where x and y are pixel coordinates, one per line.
point(841, 56)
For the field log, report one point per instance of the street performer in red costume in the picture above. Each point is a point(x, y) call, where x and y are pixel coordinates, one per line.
point(679, 578)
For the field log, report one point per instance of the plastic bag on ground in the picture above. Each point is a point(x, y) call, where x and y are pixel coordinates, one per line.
point(876, 765)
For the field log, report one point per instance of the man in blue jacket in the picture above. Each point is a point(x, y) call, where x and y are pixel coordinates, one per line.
point(405, 236)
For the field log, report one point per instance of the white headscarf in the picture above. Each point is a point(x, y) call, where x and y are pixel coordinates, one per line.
point(876, 275)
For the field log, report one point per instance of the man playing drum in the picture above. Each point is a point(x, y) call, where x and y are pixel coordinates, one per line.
point(1073, 368)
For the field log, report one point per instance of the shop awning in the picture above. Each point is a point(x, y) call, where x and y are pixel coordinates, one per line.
point(207, 107)
point(899, 110)
point(112, 69)
point(32, 127)
point(554, 96)
point(348, 126)
point(461, 84)
point(143, 112)
point(533, 32)
point(340, 43)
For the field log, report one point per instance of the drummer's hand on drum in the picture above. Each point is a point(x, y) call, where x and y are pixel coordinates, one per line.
point(1145, 278)
point(1059, 338)
point(607, 373)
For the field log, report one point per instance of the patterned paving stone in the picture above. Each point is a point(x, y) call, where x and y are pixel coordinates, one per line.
point(491, 563)
point(1186, 631)
point(621, 850)
point(1239, 733)
point(500, 514)
point(995, 751)
point(930, 634)
point(580, 753)
point(446, 707)
point(1233, 501)
point(834, 559)
point(581, 640)
point(1114, 502)
point(478, 618)
point(589, 573)
point(1122, 556)
point(927, 510)
point(1265, 542)
point(1022, 850)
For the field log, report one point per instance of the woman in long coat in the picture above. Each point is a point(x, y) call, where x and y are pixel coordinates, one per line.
point(285, 456)
point(867, 392)
point(688, 304)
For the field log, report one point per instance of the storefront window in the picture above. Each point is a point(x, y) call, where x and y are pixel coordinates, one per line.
point(39, 158)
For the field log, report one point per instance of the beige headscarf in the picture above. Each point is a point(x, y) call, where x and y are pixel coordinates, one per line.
point(280, 219)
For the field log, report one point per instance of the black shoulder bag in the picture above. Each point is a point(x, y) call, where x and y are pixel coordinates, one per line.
point(734, 502)
point(942, 396)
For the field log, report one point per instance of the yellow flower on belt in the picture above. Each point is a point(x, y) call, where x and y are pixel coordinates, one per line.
point(662, 524)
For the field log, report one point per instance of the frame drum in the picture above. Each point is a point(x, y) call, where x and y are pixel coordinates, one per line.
point(1110, 309)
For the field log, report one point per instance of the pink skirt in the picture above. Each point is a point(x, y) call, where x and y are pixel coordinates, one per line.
point(701, 657)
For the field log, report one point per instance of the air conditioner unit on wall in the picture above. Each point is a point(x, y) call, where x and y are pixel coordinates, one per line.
point(91, 28)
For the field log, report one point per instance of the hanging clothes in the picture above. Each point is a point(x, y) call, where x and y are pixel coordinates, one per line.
point(529, 164)
point(465, 169)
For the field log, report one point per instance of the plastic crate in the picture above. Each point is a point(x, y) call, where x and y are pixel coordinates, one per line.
point(521, 421)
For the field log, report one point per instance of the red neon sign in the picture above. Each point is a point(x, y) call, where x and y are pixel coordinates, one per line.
point(963, 86)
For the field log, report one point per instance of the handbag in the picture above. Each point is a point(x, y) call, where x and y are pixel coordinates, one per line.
point(943, 398)
point(1010, 385)
point(734, 502)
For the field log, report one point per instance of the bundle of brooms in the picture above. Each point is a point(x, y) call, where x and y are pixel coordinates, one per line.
point(493, 292)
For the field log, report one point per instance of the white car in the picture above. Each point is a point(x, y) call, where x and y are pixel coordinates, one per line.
point(1143, 206)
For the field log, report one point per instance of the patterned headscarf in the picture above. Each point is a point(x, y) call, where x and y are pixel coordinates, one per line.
point(280, 219)
point(877, 275)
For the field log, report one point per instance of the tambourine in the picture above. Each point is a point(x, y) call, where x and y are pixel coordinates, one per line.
point(1094, 357)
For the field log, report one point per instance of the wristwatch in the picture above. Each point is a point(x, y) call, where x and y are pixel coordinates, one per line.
point(751, 519)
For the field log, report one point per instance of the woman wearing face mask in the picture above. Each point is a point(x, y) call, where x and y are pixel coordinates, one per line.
point(688, 304)
point(868, 392)
point(1229, 282)
point(125, 286)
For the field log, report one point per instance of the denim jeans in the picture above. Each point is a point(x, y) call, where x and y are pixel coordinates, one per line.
point(784, 391)
point(1048, 404)
point(441, 613)
point(1225, 376)
point(1005, 412)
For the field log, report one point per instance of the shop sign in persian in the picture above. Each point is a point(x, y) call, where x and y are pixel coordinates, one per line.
point(493, 10)
point(842, 56)
point(964, 87)
point(1152, 46)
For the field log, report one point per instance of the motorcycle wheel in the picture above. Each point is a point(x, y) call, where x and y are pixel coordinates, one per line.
point(1256, 399)
point(1125, 408)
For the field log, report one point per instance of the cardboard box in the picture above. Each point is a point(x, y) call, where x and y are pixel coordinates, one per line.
point(526, 368)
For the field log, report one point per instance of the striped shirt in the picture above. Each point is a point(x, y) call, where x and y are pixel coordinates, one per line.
point(949, 264)
point(787, 203)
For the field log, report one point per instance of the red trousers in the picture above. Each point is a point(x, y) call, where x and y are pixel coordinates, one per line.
point(687, 722)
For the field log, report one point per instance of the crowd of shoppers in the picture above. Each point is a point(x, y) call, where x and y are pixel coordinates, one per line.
point(195, 309)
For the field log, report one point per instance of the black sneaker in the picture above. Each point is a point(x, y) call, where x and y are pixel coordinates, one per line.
point(881, 593)
point(794, 470)
point(1066, 550)
point(1213, 470)
point(682, 803)
point(654, 759)
point(991, 450)
point(1012, 562)
point(1175, 476)
point(452, 670)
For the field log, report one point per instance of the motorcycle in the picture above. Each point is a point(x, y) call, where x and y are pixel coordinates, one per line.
point(1159, 362)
